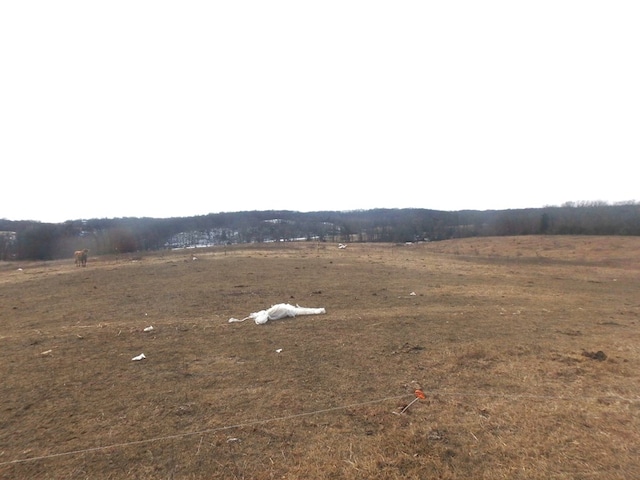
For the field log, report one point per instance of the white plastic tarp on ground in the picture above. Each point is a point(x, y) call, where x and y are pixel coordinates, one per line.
point(281, 310)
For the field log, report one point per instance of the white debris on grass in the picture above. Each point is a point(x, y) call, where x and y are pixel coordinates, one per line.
point(281, 310)
point(138, 357)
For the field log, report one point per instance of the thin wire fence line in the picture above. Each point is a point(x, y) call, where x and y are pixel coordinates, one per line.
point(308, 414)
point(200, 432)
point(533, 396)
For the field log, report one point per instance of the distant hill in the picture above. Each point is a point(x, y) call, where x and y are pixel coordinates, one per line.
point(36, 240)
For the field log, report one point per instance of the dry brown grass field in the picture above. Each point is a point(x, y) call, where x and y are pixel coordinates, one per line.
point(527, 350)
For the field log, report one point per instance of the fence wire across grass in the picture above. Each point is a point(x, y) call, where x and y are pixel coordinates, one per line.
point(312, 413)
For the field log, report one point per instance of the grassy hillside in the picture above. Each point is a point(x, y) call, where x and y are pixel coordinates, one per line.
point(526, 349)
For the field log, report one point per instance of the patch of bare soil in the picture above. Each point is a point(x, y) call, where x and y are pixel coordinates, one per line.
point(526, 349)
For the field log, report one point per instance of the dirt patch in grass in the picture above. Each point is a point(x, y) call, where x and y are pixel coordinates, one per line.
point(526, 348)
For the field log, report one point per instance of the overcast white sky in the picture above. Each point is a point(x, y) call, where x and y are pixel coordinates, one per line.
point(162, 109)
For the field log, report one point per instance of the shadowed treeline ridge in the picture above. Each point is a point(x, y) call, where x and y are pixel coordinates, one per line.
point(45, 241)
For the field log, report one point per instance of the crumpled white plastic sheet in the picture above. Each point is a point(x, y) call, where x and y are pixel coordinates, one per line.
point(281, 310)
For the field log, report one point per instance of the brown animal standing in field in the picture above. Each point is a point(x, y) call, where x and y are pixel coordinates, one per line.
point(81, 257)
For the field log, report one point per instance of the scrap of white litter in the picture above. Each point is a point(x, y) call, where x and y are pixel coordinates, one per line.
point(148, 329)
point(281, 310)
point(139, 357)
point(278, 350)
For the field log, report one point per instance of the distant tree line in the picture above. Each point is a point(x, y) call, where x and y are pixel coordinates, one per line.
point(29, 240)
